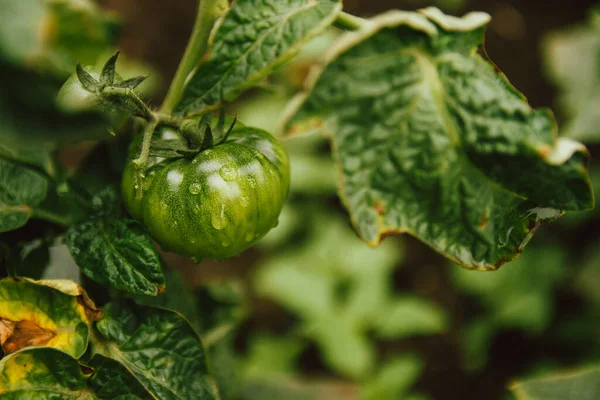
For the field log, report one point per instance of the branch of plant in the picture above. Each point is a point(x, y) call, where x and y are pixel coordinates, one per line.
point(208, 13)
point(53, 217)
point(349, 22)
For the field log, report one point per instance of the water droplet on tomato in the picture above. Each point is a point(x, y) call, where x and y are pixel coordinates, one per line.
point(228, 173)
point(195, 188)
point(219, 220)
point(244, 201)
point(249, 236)
point(225, 243)
point(252, 181)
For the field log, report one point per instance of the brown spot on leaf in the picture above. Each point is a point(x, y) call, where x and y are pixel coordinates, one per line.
point(16, 335)
point(544, 151)
point(379, 208)
point(483, 222)
point(92, 312)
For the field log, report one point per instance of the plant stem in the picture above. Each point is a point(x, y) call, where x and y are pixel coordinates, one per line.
point(208, 12)
point(349, 21)
point(52, 217)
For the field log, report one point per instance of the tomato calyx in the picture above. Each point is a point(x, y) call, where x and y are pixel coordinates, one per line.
point(112, 94)
point(198, 135)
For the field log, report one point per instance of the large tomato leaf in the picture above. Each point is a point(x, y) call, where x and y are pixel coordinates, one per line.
point(21, 190)
point(581, 385)
point(47, 373)
point(159, 347)
point(117, 252)
point(433, 141)
point(252, 39)
point(45, 313)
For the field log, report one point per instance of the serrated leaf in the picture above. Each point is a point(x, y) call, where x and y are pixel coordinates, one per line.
point(253, 38)
point(47, 373)
point(38, 314)
point(21, 190)
point(116, 252)
point(571, 58)
point(432, 141)
point(582, 385)
point(159, 348)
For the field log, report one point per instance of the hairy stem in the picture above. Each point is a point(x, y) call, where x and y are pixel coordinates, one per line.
point(208, 12)
point(349, 21)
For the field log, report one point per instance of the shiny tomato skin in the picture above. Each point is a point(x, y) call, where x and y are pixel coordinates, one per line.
point(218, 203)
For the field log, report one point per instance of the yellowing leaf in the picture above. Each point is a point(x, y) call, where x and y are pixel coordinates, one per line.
point(35, 314)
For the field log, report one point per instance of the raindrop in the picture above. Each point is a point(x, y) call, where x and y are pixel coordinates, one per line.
point(249, 236)
point(244, 201)
point(195, 188)
point(228, 173)
point(252, 181)
point(225, 243)
point(219, 221)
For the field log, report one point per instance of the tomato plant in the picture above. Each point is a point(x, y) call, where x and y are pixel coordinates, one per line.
point(427, 138)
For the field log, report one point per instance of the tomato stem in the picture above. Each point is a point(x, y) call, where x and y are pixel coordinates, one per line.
point(349, 22)
point(208, 13)
point(53, 217)
point(142, 160)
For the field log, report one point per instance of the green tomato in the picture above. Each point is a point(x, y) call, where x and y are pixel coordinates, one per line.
point(218, 203)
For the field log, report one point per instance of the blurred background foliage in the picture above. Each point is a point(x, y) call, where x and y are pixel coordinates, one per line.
point(312, 312)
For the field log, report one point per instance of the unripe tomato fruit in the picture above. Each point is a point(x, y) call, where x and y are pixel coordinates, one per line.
point(218, 203)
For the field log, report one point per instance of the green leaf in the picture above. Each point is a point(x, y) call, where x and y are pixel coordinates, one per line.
point(408, 316)
point(46, 373)
point(582, 385)
point(111, 379)
point(341, 292)
point(253, 38)
point(54, 35)
point(21, 190)
point(519, 296)
point(271, 355)
point(45, 313)
point(432, 141)
point(159, 348)
point(117, 252)
point(393, 380)
point(572, 61)
point(176, 297)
